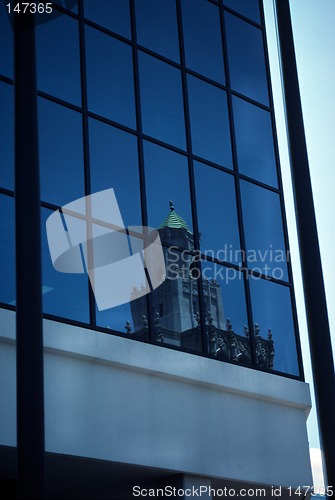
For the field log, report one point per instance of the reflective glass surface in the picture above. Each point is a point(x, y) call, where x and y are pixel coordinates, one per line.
point(263, 229)
point(6, 43)
point(175, 310)
point(162, 101)
point(7, 250)
point(272, 308)
point(114, 164)
point(126, 319)
point(225, 313)
point(110, 83)
point(202, 39)
point(157, 27)
point(217, 214)
point(68, 4)
point(61, 153)
point(254, 142)
point(6, 136)
point(112, 14)
point(166, 178)
point(246, 59)
point(249, 8)
point(58, 63)
point(209, 122)
point(63, 294)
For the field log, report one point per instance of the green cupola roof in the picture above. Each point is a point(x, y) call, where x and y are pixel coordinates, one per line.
point(174, 220)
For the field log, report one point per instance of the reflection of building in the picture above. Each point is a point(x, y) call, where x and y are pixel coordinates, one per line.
point(121, 412)
point(176, 309)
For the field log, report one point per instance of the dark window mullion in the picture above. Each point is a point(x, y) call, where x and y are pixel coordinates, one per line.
point(86, 152)
point(140, 149)
point(238, 191)
point(204, 339)
point(281, 195)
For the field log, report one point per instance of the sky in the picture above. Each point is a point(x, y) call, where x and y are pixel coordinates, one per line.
point(313, 29)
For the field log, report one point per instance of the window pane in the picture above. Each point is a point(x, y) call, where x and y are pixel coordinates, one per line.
point(58, 70)
point(166, 176)
point(61, 153)
point(254, 141)
point(272, 308)
point(175, 303)
point(162, 101)
point(249, 8)
point(7, 250)
point(264, 231)
point(6, 43)
point(114, 164)
point(6, 136)
point(110, 77)
point(209, 122)
point(225, 313)
point(157, 27)
point(112, 14)
point(68, 4)
point(131, 319)
point(202, 38)
point(217, 214)
point(64, 294)
point(246, 59)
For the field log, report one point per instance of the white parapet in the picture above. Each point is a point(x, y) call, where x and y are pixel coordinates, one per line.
point(111, 398)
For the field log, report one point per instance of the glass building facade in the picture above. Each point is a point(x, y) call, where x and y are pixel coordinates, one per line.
point(170, 104)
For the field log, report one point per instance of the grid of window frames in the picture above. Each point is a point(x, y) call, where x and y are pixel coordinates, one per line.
point(162, 101)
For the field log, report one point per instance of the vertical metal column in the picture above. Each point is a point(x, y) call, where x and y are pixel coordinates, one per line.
point(315, 298)
point(29, 332)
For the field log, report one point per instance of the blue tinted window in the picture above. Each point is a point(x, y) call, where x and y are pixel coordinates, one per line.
point(58, 69)
point(68, 4)
point(110, 77)
point(272, 308)
point(263, 228)
point(249, 8)
point(64, 294)
point(175, 311)
point(166, 178)
point(6, 136)
point(225, 313)
point(209, 122)
point(7, 250)
point(61, 153)
point(202, 38)
point(157, 27)
point(126, 318)
point(217, 215)
point(162, 102)
point(114, 164)
point(254, 141)
point(246, 59)
point(112, 14)
point(6, 43)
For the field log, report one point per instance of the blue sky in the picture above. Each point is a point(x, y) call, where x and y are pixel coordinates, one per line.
point(313, 26)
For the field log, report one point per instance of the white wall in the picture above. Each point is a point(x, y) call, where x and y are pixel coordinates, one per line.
point(112, 398)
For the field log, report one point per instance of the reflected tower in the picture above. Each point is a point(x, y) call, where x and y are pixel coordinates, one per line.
point(175, 308)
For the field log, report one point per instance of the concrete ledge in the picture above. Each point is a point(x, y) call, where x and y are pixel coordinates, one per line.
point(101, 348)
